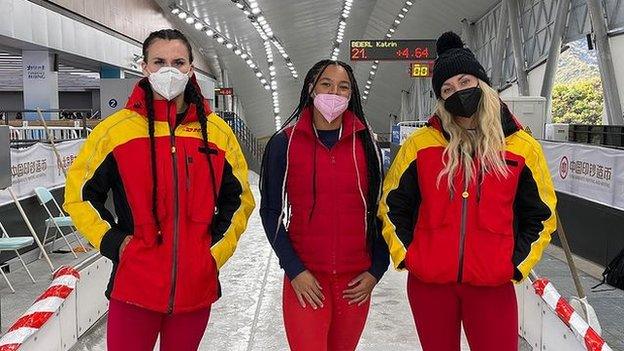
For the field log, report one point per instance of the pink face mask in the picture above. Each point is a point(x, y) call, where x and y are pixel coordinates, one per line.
point(331, 106)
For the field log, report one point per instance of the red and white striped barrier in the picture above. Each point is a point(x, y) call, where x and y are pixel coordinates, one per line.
point(588, 336)
point(42, 309)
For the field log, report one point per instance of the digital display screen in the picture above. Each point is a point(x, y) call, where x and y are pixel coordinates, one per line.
point(393, 50)
point(423, 69)
point(224, 91)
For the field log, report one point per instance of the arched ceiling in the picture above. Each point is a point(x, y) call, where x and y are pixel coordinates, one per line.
point(307, 31)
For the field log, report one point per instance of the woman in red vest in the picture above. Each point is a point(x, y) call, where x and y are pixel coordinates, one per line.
point(325, 168)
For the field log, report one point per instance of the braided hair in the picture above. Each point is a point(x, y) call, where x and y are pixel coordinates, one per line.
point(192, 95)
point(373, 158)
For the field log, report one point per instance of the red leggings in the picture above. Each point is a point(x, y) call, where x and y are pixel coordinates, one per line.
point(134, 328)
point(337, 326)
point(489, 315)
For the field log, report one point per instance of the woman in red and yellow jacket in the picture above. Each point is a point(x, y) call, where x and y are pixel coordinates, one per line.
point(182, 200)
point(326, 169)
point(468, 207)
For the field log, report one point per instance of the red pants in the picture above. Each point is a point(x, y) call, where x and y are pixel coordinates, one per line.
point(134, 328)
point(337, 326)
point(489, 315)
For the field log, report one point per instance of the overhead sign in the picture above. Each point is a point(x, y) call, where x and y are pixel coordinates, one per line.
point(422, 69)
point(393, 50)
point(224, 91)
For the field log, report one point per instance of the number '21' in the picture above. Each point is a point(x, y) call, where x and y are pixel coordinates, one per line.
point(358, 53)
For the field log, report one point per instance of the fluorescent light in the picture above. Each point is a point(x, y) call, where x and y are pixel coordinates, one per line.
point(220, 40)
point(209, 32)
point(244, 56)
point(182, 15)
point(175, 11)
point(237, 52)
point(409, 3)
point(190, 20)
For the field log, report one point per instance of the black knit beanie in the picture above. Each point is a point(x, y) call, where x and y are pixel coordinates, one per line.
point(453, 59)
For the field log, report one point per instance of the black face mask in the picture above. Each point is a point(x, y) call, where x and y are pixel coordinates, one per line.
point(464, 103)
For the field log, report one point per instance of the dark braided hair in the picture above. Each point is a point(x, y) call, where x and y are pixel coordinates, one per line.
point(374, 165)
point(192, 95)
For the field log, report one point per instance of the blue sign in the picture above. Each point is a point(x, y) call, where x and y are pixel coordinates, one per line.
point(396, 135)
point(112, 103)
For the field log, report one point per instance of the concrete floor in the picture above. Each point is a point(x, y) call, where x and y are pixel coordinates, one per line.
point(248, 316)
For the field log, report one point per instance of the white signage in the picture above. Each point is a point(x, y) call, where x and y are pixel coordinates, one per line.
point(591, 172)
point(37, 166)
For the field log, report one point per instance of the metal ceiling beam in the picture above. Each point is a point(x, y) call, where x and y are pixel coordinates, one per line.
point(563, 11)
point(605, 63)
point(499, 48)
point(516, 40)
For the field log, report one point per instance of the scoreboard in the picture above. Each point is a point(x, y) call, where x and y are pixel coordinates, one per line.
point(422, 69)
point(393, 50)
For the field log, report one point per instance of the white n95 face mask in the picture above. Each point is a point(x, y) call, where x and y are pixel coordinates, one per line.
point(169, 82)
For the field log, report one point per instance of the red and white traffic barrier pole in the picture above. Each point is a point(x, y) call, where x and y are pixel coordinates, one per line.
point(42, 309)
point(588, 336)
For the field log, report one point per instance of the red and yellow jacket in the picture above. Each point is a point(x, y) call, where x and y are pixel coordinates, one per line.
point(177, 271)
point(493, 232)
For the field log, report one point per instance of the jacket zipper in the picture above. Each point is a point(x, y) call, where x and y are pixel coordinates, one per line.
point(176, 210)
point(462, 232)
point(335, 236)
point(188, 174)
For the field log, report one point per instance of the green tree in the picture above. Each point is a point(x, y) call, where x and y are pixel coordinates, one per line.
point(578, 102)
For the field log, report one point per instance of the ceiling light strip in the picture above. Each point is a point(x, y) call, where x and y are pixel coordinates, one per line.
point(393, 27)
point(252, 10)
point(220, 38)
point(272, 86)
point(342, 25)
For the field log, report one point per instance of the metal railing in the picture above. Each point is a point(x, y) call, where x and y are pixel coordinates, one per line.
point(38, 133)
point(252, 148)
point(611, 136)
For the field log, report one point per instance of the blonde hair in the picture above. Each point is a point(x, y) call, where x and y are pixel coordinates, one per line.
point(487, 144)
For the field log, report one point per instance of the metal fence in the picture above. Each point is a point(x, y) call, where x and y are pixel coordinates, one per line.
point(252, 148)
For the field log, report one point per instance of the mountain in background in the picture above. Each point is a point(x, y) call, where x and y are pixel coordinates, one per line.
point(577, 63)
